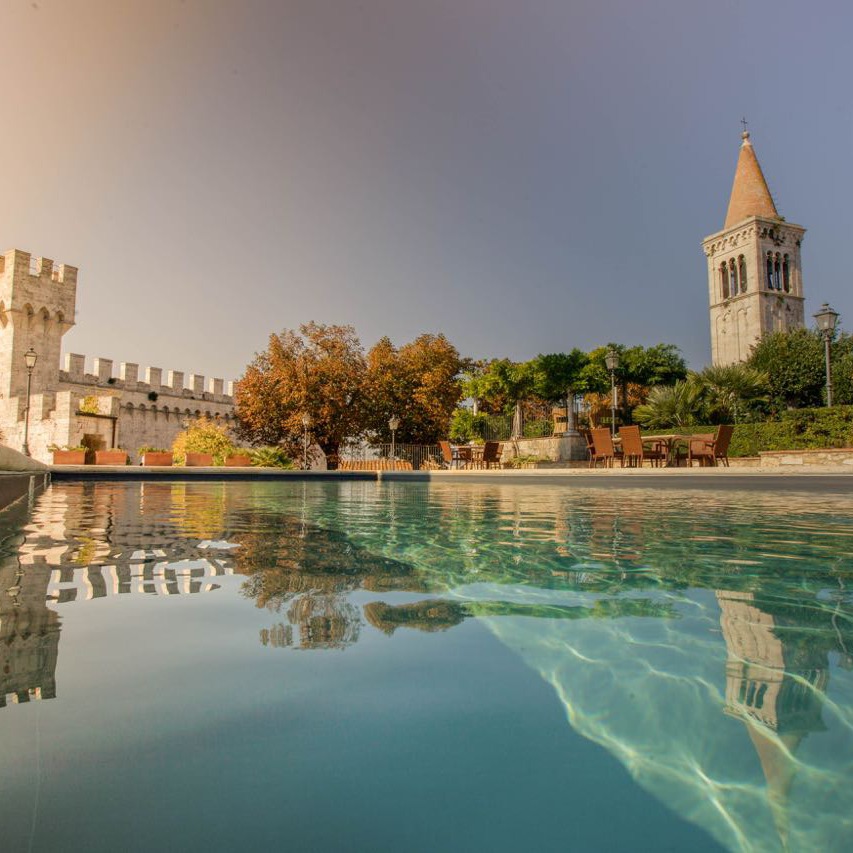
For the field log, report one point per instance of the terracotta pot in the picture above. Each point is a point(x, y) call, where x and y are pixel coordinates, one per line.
point(154, 458)
point(238, 461)
point(69, 457)
point(110, 457)
point(199, 460)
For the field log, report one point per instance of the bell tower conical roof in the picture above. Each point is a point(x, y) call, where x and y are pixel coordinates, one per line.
point(750, 195)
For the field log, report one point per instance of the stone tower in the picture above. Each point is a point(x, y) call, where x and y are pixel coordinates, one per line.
point(36, 309)
point(755, 283)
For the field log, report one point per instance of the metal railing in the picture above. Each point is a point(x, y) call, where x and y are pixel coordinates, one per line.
point(410, 457)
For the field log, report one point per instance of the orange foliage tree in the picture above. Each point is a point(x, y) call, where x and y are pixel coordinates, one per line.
point(318, 371)
point(418, 382)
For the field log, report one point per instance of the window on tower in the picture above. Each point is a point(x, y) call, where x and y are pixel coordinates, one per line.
point(732, 277)
point(769, 271)
point(786, 274)
point(741, 263)
point(724, 280)
point(777, 272)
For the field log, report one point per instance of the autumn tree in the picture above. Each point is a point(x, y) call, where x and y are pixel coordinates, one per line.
point(418, 382)
point(318, 371)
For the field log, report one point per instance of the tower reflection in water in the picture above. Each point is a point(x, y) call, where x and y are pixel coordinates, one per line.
point(86, 542)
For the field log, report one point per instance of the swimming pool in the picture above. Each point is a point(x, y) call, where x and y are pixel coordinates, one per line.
point(390, 666)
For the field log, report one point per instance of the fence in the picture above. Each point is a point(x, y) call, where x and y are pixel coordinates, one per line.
point(370, 457)
point(499, 427)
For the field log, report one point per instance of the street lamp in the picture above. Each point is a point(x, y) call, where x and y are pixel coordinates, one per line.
point(393, 425)
point(306, 424)
point(30, 359)
point(826, 320)
point(612, 362)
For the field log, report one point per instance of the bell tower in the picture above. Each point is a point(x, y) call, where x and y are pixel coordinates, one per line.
point(755, 283)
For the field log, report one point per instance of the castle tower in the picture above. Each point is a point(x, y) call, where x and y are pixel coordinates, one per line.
point(37, 303)
point(755, 283)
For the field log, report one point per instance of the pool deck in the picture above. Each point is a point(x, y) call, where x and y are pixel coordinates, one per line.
point(805, 478)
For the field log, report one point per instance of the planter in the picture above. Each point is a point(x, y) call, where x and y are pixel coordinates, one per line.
point(110, 457)
point(239, 460)
point(69, 457)
point(199, 460)
point(157, 459)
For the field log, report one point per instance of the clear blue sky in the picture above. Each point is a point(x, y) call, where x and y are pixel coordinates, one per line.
point(523, 176)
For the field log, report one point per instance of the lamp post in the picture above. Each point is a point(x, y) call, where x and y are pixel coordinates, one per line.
point(306, 424)
point(30, 359)
point(826, 320)
point(394, 425)
point(612, 362)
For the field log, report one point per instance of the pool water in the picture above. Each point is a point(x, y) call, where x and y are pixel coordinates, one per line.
point(420, 667)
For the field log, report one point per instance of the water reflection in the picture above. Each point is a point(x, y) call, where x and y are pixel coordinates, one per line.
point(676, 629)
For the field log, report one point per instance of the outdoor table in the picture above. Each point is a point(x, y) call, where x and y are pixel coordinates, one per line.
point(668, 440)
point(469, 454)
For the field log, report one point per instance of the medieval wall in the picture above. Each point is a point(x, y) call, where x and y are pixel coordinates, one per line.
point(127, 410)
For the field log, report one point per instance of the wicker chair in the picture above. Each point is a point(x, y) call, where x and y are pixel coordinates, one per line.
point(707, 449)
point(602, 448)
point(491, 455)
point(449, 454)
point(634, 452)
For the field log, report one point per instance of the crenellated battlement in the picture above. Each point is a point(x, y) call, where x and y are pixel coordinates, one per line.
point(22, 264)
point(195, 388)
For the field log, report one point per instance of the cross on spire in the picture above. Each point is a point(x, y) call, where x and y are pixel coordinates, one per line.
point(743, 122)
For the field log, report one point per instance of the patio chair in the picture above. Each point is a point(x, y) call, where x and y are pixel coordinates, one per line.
point(635, 452)
point(707, 449)
point(590, 448)
point(491, 455)
point(602, 448)
point(449, 454)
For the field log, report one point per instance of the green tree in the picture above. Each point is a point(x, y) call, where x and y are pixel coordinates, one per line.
point(794, 364)
point(510, 382)
point(558, 376)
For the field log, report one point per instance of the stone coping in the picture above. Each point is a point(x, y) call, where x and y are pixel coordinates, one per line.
point(15, 485)
point(806, 451)
point(818, 479)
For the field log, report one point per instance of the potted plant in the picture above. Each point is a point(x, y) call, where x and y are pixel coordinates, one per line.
point(116, 456)
point(68, 455)
point(238, 457)
point(198, 460)
point(157, 456)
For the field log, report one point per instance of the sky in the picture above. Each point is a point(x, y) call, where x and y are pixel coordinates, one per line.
point(524, 177)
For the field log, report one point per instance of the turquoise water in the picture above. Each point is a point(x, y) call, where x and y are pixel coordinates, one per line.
point(386, 666)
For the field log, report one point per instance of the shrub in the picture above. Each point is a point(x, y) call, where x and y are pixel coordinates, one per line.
point(796, 429)
point(465, 425)
point(269, 457)
point(203, 436)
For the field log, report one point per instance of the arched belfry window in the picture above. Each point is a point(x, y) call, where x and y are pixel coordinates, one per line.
point(741, 265)
point(769, 271)
point(777, 272)
point(732, 278)
point(724, 280)
point(786, 274)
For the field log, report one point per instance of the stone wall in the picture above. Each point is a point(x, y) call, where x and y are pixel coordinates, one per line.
point(557, 448)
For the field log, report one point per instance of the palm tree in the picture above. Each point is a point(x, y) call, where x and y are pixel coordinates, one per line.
point(667, 406)
point(729, 389)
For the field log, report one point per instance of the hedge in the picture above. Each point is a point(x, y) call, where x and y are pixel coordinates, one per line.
point(796, 429)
